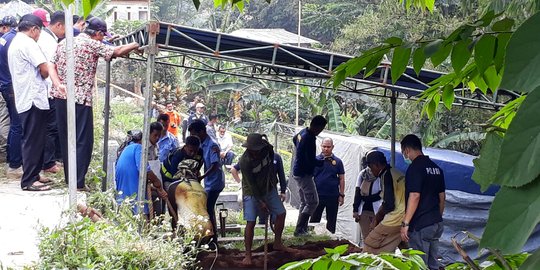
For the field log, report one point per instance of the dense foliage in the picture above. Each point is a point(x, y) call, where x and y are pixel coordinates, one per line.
point(116, 242)
point(485, 55)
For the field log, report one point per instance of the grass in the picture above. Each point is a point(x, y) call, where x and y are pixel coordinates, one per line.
point(288, 238)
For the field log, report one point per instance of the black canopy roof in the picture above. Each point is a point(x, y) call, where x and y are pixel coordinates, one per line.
point(291, 64)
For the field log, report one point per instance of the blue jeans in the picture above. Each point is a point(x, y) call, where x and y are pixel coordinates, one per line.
point(14, 155)
point(427, 240)
point(252, 207)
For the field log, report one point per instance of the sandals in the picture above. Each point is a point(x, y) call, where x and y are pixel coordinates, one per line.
point(37, 187)
point(45, 180)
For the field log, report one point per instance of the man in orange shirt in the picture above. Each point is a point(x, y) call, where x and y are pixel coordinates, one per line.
point(175, 119)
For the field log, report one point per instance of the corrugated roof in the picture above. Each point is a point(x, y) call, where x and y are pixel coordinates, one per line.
point(276, 35)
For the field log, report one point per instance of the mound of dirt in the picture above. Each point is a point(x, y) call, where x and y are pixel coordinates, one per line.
point(232, 258)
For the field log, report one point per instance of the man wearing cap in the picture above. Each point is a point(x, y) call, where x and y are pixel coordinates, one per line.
point(280, 173)
point(214, 178)
point(198, 115)
point(54, 30)
point(330, 181)
point(14, 157)
point(89, 48)
point(29, 70)
point(367, 199)
point(259, 190)
point(303, 167)
point(385, 236)
point(7, 23)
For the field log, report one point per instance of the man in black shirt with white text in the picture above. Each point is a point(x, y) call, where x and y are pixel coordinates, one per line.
point(425, 196)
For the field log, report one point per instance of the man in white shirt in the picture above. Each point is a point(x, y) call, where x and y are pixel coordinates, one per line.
point(225, 142)
point(48, 42)
point(29, 70)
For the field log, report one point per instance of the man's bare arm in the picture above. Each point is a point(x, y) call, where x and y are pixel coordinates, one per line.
point(412, 205)
point(125, 49)
point(44, 70)
point(442, 200)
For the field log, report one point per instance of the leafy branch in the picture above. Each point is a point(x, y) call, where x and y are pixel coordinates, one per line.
point(476, 51)
point(334, 259)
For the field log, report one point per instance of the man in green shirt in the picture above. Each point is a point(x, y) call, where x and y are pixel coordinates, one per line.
point(259, 190)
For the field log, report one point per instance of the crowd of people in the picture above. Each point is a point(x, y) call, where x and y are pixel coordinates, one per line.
point(33, 70)
point(393, 208)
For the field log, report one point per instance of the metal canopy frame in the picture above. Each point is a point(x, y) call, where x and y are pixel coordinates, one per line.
point(292, 65)
point(275, 62)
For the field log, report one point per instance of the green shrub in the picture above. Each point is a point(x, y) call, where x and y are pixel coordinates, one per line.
point(117, 242)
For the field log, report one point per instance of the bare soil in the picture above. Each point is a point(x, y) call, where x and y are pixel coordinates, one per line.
point(232, 258)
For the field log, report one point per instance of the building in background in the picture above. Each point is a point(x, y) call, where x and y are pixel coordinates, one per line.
point(130, 10)
point(276, 35)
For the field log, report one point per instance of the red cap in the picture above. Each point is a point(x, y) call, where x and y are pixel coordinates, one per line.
point(43, 15)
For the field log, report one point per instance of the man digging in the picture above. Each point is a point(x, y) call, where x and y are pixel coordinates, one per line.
point(259, 190)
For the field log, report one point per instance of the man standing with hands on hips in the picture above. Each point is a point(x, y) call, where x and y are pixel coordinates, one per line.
point(425, 194)
point(304, 164)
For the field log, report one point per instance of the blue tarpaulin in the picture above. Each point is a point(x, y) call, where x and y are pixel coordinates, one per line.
point(466, 209)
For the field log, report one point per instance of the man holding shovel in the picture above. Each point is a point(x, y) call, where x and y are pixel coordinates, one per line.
point(259, 190)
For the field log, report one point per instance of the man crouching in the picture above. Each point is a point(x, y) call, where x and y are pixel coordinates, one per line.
point(259, 190)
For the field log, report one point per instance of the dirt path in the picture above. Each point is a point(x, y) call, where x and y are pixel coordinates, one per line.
point(232, 259)
point(22, 214)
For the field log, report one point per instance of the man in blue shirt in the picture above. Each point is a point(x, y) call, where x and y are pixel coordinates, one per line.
point(167, 142)
point(214, 179)
point(127, 169)
point(14, 156)
point(330, 181)
point(303, 166)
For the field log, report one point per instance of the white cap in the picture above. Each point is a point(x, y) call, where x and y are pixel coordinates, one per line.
point(199, 105)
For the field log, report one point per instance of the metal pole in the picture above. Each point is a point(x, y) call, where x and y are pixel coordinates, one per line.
point(106, 110)
point(149, 11)
point(393, 119)
point(275, 136)
point(297, 87)
point(71, 124)
point(153, 29)
point(393, 131)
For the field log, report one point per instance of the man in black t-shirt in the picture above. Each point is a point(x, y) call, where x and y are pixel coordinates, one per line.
point(425, 196)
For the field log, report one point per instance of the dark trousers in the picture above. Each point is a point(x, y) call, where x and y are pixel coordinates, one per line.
point(228, 159)
point(34, 126)
point(331, 204)
point(52, 144)
point(14, 155)
point(212, 197)
point(84, 137)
